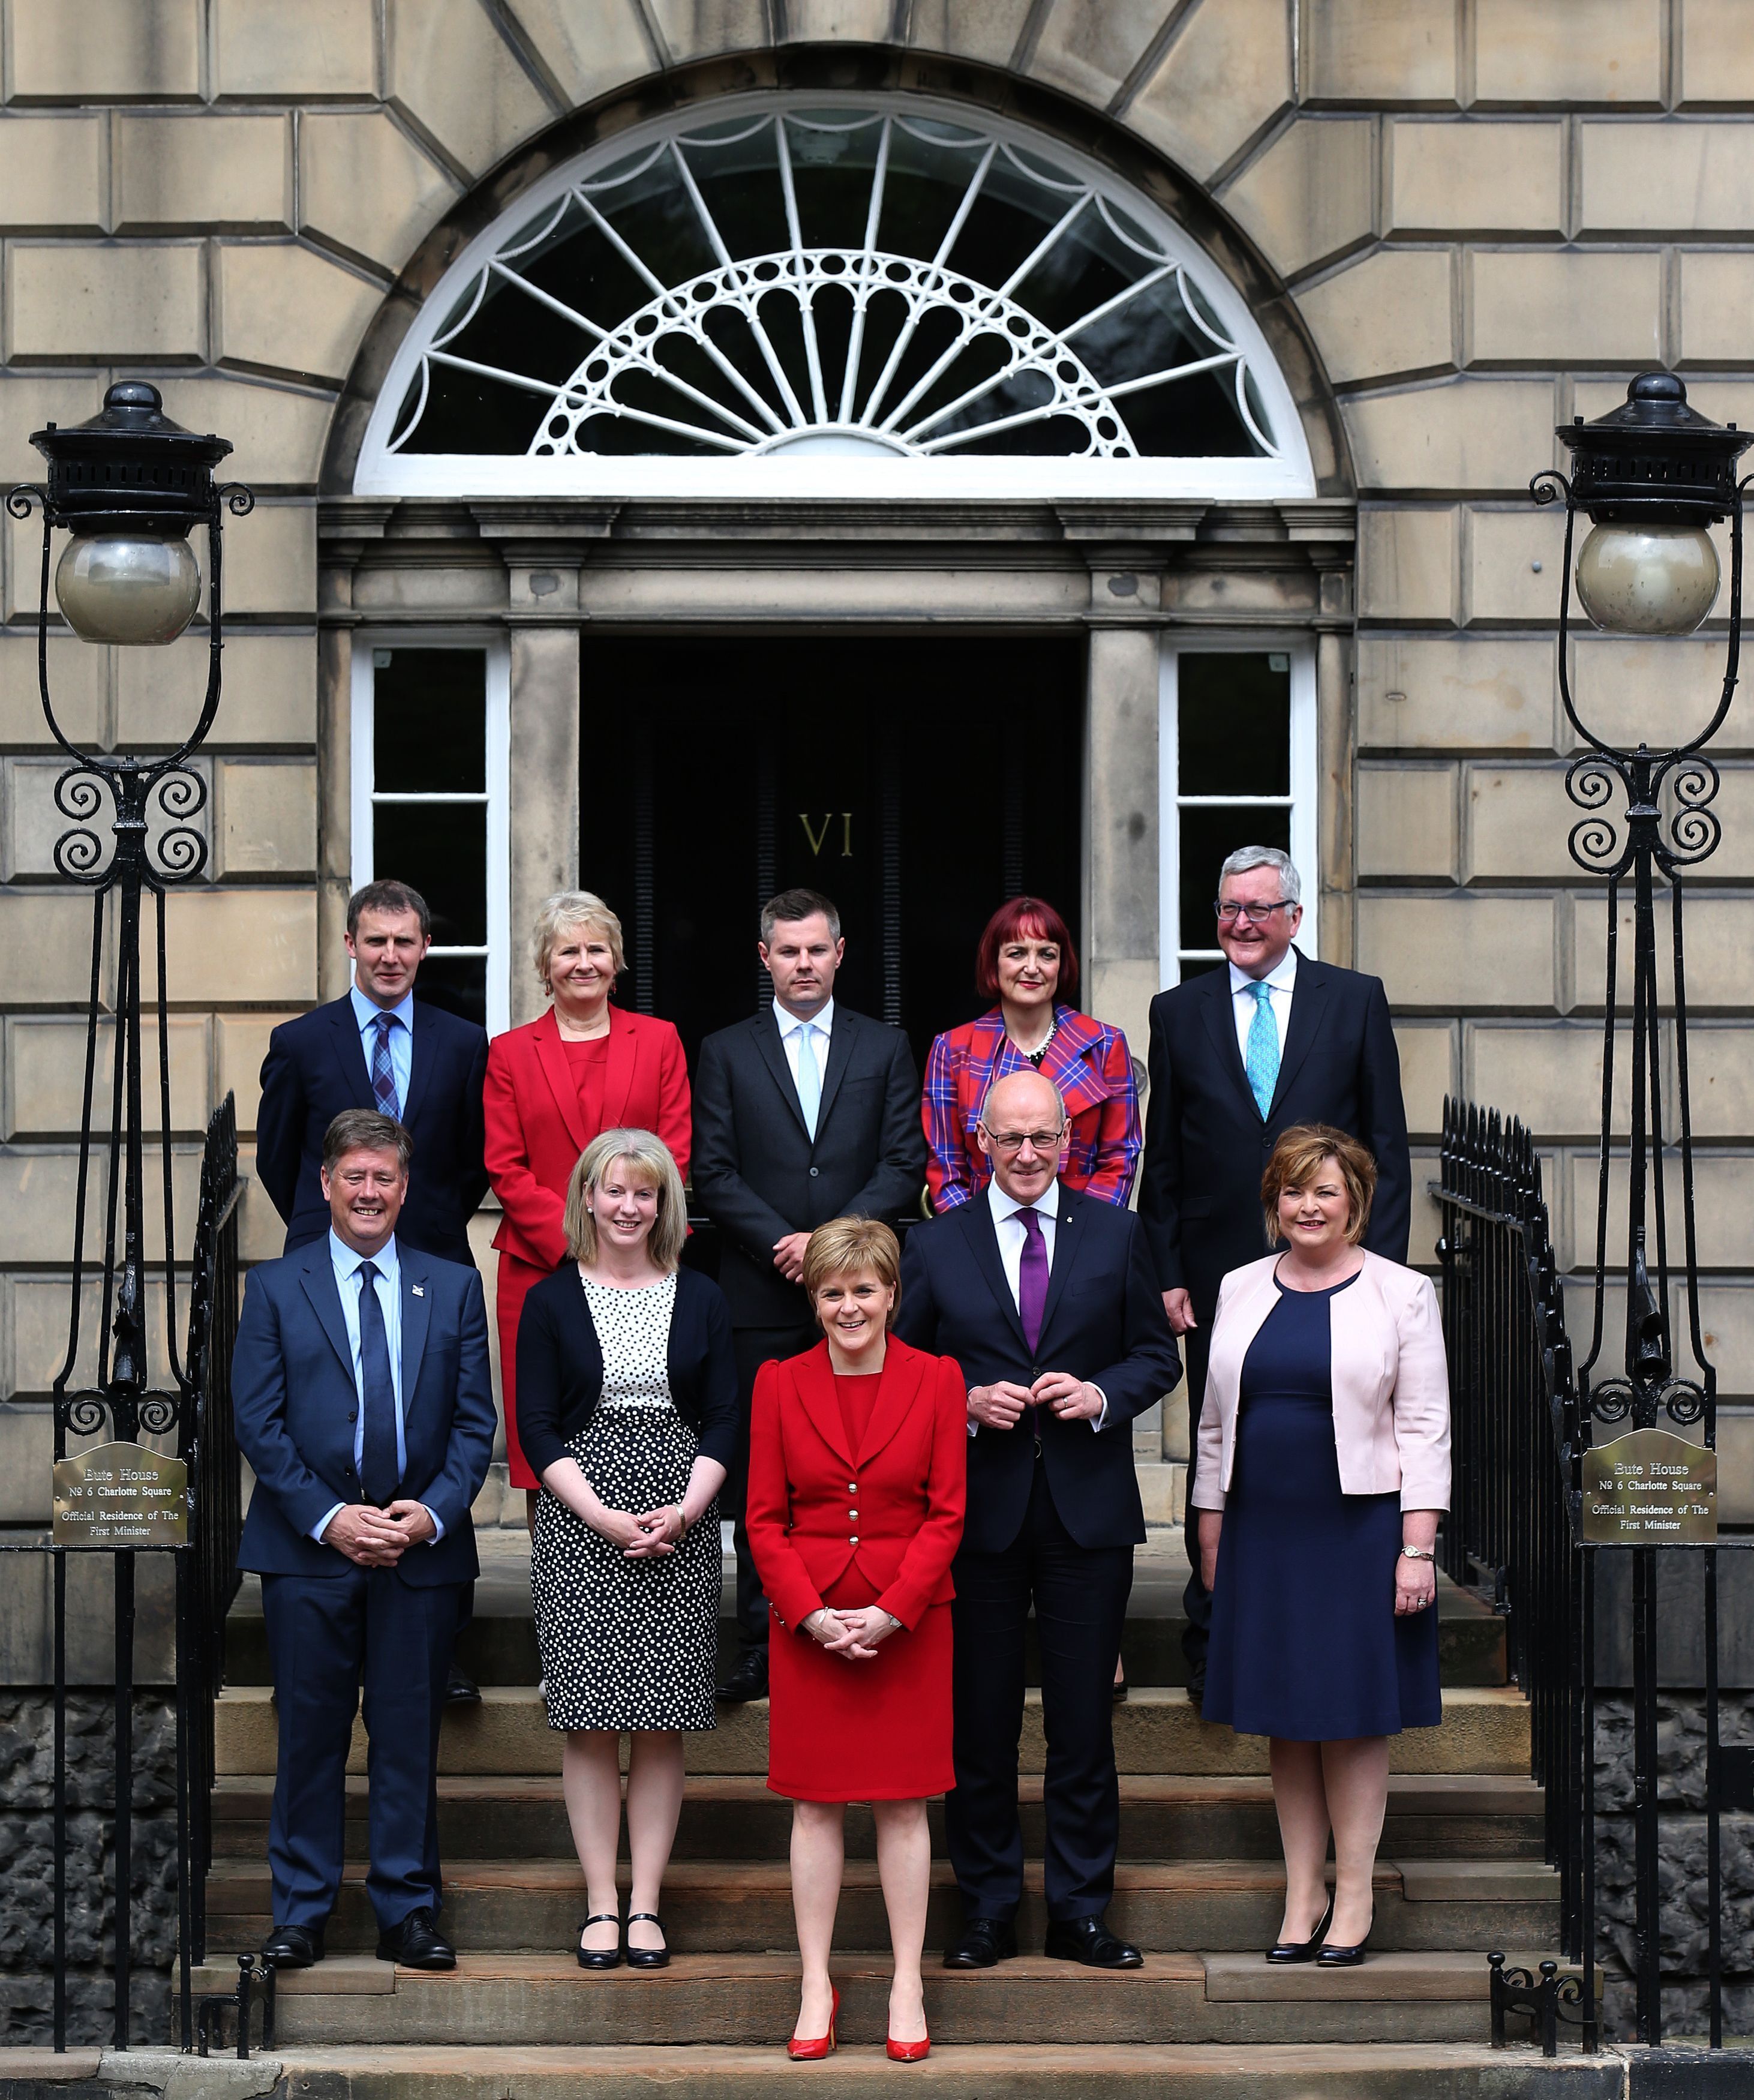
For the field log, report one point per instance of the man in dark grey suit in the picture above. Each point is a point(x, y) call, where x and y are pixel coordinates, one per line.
point(804, 1113)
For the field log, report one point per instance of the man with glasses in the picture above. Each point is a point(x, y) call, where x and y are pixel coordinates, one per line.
point(1239, 1055)
point(1049, 1301)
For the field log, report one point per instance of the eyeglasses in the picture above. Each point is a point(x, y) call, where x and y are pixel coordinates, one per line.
point(1008, 1141)
point(1256, 915)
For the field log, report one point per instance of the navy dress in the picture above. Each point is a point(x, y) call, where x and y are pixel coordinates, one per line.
point(1306, 1643)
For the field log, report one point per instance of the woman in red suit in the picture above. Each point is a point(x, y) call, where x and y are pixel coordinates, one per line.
point(857, 1469)
point(582, 1067)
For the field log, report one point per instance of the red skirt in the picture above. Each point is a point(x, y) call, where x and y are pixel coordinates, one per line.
point(878, 1731)
point(516, 1278)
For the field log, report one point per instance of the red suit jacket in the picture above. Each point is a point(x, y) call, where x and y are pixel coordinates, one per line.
point(535, 1133)
point(893, 1510)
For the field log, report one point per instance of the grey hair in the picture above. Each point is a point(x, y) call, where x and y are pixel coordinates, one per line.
point(1059, 1099)
point(1246, 859)
point(571, 910)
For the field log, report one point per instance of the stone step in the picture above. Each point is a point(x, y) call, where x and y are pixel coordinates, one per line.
point(743, 1906)
point(1485, 1730)
point(733, 1816)
point(1010, 2071)
point(704, 2000)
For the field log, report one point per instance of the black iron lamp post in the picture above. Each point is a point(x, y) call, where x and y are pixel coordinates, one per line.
point(127, 487)
point(1652, 477)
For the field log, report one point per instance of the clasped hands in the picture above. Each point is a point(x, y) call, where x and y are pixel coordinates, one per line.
point(853, 1634)
point(1000, 1405)
point(372, 1538)
point(648, 1536)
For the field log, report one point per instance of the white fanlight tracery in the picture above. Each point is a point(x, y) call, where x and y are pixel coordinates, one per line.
point(853, 294)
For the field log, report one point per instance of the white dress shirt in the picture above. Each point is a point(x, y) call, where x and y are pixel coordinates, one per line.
point(366, 1012)
point(792, 1039)
point(1279, 980)
point(347, 1262)
point(1007, 1223)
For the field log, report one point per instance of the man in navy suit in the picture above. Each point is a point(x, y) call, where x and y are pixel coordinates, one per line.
point(1238, 1057)
point(361, 1393)
point(379, 1048)
point(1048, 1300)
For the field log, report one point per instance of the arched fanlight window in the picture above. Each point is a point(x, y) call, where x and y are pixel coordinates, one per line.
point(836, 293)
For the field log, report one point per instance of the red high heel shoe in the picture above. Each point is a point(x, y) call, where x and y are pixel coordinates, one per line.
point(817, 2046)
point(908, 2052)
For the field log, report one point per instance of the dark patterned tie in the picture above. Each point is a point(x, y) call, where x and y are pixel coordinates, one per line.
point(379, 1472)
point(383, 1072)
point(1032, 1278)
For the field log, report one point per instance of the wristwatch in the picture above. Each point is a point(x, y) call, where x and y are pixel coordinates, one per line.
point(1416, 1553)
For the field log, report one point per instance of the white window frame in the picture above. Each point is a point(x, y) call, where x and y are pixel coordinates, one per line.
point(496, 795)
point(1174, 949)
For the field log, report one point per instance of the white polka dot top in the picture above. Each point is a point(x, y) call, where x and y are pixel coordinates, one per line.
point(634, 1330)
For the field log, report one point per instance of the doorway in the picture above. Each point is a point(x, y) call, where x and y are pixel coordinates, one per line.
point(917, 783)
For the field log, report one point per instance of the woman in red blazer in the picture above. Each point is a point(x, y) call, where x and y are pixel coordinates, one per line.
point(857, 1461)
point(582, 1067)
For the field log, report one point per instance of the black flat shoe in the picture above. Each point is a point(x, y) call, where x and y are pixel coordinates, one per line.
point(599, 1957)
point(294, 1946)
point(1089, 1941)
point(984, 1942)
point(417, 1942)
point(461, 1690)
point(747, 1681)
point(1119, 1692)
point(1303, 1950)
point(1346, 1958)
point(647, 1957)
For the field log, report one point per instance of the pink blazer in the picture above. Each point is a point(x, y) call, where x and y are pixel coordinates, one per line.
point(1390, 1383)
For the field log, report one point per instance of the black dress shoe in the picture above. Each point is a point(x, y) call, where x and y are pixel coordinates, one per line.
point(648, 1958)
point(600, 1957)
point(1089, 1941)
point(417, 1942)
point(985, 1941)
point(460, 1690)
point(1286, 1951)
point(748, 1680)
point(294, 1946)
point(1346, 1958)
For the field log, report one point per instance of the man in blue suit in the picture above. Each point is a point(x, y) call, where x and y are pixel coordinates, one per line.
point(379, 1048)
point(1048, 1300)
point(360, 1389)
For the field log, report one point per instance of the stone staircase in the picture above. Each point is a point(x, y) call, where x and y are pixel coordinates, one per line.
point(1199, 1887)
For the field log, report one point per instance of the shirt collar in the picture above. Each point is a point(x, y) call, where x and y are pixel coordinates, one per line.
point(1280, 976)
point(789, 1023)
point(347, 1259)
point(366, 1011)
point(1004, 1206)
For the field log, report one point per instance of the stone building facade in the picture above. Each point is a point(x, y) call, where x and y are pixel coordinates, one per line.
point(1435, 228)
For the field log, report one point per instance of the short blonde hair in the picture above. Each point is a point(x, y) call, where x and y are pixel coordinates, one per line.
point(651, 1157)
point(852, 1246)
point(1298, 1159)
point(560, 914)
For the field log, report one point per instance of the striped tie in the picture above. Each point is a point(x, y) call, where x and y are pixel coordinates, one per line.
point(383, 1072)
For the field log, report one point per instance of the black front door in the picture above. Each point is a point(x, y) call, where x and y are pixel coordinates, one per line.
point(917, 784)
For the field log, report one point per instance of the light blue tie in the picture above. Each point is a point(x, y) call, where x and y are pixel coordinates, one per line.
point(1262, 1060)
point(809, 1076)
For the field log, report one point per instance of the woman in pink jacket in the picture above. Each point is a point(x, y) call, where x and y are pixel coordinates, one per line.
point(1324, 1466)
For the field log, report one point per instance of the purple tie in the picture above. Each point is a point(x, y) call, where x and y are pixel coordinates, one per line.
point(383, 1072)
point(1032, 1278)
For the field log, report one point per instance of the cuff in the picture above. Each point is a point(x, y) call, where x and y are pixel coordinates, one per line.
point(328, 1517)
point(438, 1528)
point(1100, 1421)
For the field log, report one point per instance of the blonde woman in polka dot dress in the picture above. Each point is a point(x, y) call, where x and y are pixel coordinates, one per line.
point(627, 1409)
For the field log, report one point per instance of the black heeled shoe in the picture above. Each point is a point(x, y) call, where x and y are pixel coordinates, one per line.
point(1302, 1950)
point(599, 1957)
point(648, 1958)
point(1347, 1957)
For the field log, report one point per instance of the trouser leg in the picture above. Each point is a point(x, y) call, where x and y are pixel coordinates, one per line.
point(1081, 1595)
point(316, 1643)
point(1196, 1599)
point(984, 1835)
point(410, 1633)
point(754, 1346)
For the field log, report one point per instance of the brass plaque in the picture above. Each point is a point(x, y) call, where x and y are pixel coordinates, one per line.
point(1651, 1488)
point(119, 1495)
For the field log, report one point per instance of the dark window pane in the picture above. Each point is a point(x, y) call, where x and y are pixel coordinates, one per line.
point(441, 848)
point(1207, 836)
point(430, 723)
point(1234, 713)
point(458, 983)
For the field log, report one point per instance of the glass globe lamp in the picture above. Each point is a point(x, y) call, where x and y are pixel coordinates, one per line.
point(1648, 579)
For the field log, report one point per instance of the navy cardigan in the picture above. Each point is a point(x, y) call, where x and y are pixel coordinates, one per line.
point(560, 1366)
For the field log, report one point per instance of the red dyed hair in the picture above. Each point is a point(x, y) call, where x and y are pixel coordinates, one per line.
point(1030, 918)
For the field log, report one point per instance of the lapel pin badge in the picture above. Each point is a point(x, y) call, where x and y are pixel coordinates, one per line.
point(420, 1289)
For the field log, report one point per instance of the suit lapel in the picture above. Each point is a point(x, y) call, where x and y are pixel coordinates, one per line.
point(417, 1312)
point(840, 1051)
point(1069, 1233)
point(1309, 996)
point(768, 1042)
point(983, 1243)
point(898, 1384)
point(551, 1054)
point(349, 1053)
point(318, 1277)
point(816, 1389)
point(420, 1047)
point(1221, 1025)
point(618, 1074)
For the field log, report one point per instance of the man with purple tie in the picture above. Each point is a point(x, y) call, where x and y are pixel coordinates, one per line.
point(1048, 1299)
